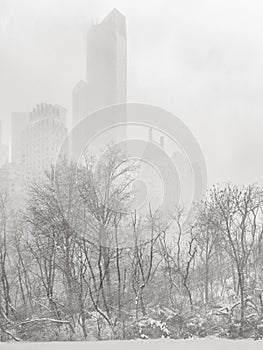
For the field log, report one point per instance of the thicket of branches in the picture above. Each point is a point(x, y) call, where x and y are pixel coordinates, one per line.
point(78, 265)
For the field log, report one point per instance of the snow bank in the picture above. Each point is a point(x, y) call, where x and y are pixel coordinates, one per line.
point(162, 344)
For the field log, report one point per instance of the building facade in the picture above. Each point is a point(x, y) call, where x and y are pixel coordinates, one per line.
point(19, 122)
point(42, 137)
point(106, 70)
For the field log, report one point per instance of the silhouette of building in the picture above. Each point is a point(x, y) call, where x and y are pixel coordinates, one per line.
point(80, 103)
point(42, 137)
point(106, 81)
point(3, 150)
point(19, 122)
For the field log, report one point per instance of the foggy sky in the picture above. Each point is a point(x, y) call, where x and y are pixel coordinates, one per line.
point(201, 60)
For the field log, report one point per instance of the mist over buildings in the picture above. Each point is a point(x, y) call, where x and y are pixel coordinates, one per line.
point(197, 60)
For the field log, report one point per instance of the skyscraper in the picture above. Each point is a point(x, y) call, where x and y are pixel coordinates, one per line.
point(42, 137)
point(19, 123)
point(106, 81)
point(80, 105)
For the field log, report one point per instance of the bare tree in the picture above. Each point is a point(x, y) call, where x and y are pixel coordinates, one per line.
point(179, 254)
point(236, 214)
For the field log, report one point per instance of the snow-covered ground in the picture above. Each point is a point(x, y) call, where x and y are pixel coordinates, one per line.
point(163, 344)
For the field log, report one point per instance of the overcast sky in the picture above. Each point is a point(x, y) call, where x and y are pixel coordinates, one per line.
point(201, 60)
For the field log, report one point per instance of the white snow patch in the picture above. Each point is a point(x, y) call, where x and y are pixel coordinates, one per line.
point(187, 344)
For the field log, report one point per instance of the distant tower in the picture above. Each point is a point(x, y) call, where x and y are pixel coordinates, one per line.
point(42, 137)
point(19, 122)
point(106, 81)
point(80, 104)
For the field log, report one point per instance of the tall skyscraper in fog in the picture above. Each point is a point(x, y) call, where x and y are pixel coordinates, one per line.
point(107, 61)
point(80, 102)
point(18, 124)
point(106, 80)
point(42, 137)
